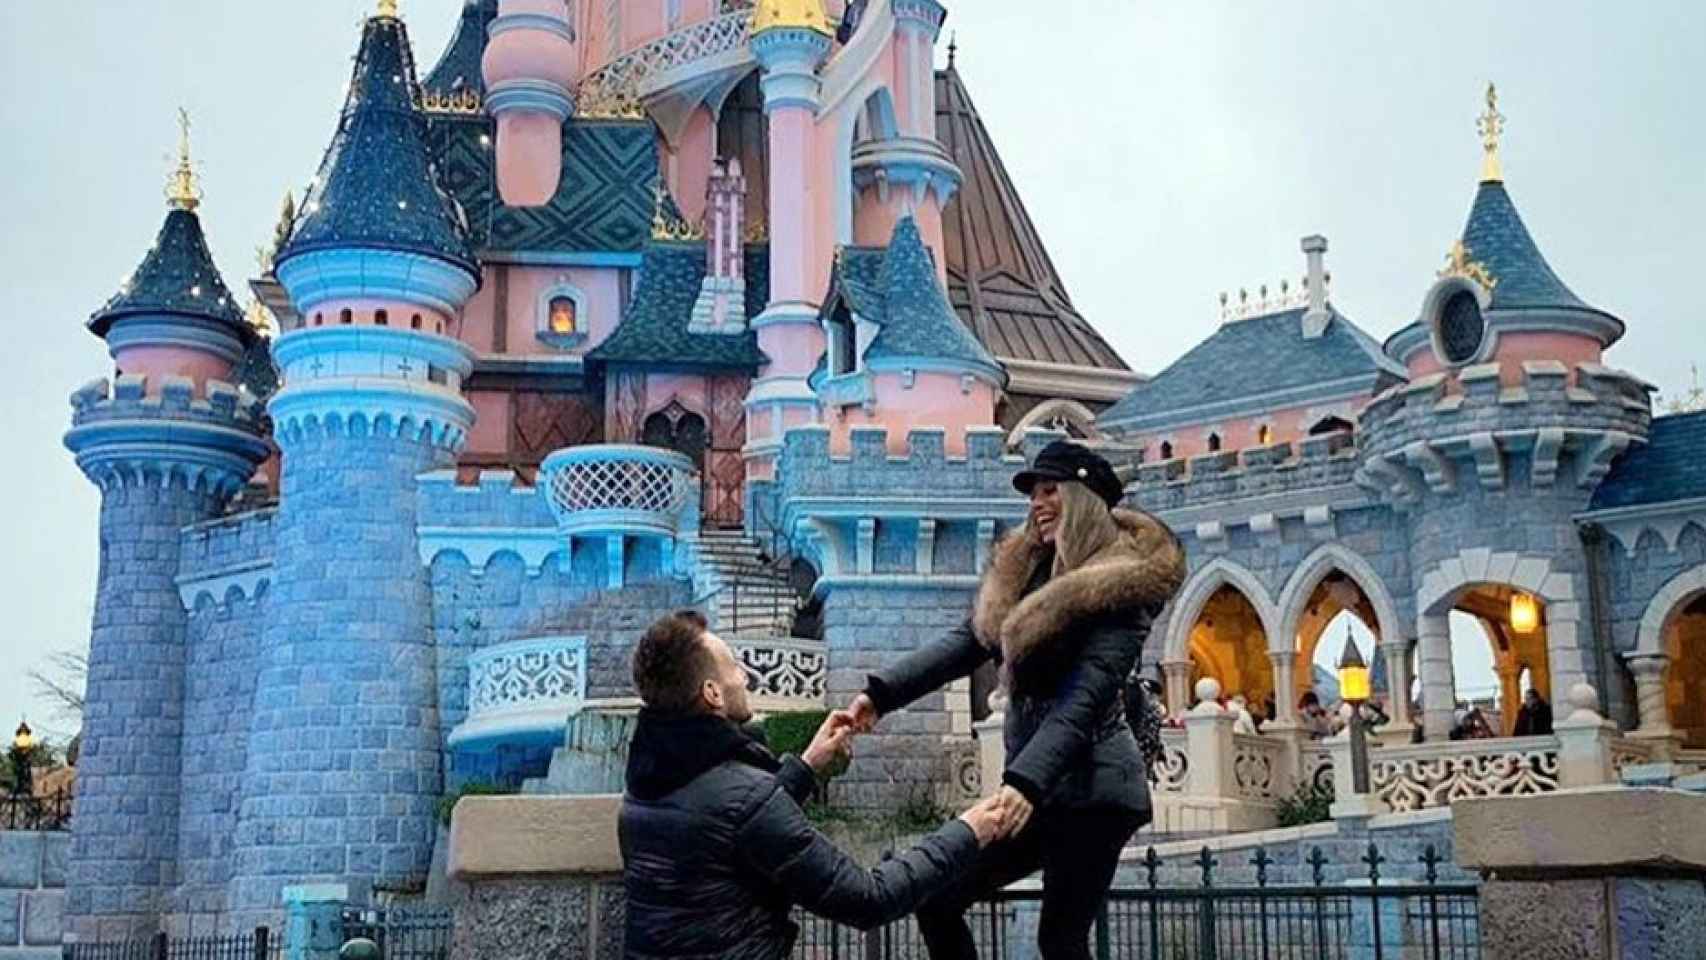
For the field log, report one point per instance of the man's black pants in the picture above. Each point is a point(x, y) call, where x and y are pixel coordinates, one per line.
point(1078, 852)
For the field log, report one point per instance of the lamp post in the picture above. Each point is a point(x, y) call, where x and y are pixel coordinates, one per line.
point(1354, 690)
point(23, 744)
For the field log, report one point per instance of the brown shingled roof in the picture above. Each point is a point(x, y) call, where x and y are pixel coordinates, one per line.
point(1000, 278)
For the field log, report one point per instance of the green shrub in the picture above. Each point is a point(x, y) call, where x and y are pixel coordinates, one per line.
point(793, 732)
point(1309, 803)
point(473, 788)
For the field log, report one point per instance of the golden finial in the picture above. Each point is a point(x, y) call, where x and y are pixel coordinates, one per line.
point(260, 319)
point(790, 15)
point(183, 190)
point(388, 8)
point(1491, 125)
point(1459, 264)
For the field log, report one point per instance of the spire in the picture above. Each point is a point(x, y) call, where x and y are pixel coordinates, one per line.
point(183, 190)
point(1491, 125)
point(457, 84)
point(916, 318)
point(177, 278)
point(790, 15)
point(388, 8)
point(376, 188)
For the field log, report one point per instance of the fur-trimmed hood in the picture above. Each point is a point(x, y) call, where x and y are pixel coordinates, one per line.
point(1142, 567)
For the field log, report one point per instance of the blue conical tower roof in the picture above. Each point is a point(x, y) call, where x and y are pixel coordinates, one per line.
point(177, 277)
point(459, 69)
point(376, 187)
point(1496, 238)
point(916, 318)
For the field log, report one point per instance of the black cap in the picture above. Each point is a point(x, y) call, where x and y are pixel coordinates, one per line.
point(1065, 462)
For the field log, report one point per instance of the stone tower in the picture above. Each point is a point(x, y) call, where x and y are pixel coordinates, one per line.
point(343, 766)
point(168, 442)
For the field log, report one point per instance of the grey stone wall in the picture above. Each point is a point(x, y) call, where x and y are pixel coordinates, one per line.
point(32, 894)
point(124, 852)
point(343, 768)
point(867, 628)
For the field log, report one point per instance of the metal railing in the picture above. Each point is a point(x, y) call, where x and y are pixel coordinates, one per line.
point(1362, 917)
point(32, 812)
point(402, 933)
point(261, 944)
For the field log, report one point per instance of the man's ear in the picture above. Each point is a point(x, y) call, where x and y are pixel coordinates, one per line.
point(711, 694)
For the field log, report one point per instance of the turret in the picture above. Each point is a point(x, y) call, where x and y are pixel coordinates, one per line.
point(530, 76)
point(378, 269)
point(168, 442)
point(790, 39)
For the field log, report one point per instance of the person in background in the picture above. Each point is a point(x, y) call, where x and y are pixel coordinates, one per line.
point(1535, 717)
point(715, 848)
point(1242, 722)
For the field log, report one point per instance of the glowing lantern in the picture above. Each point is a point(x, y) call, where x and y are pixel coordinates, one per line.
point(1525, 613)
point(1353, 674)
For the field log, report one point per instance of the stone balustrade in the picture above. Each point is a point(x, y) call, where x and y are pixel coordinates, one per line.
point(783, 673)
point(522, 693)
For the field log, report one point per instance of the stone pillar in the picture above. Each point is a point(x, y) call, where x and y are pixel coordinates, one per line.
point(1208, 743)
point(313, 920)
point(1285, 681)
point(1649, 671)
point(1397, 654)
point(1177, 674)
point(1439, 698)
point(1348, 804)
point(991, 750)
point(1510, 697)
point(1584, 742)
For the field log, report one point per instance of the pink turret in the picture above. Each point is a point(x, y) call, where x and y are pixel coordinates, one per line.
point(530, 77)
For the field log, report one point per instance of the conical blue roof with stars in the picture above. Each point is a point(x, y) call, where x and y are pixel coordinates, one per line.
point(1496, 238)
point(176, 277)
point(906, 299)
point(376, 187)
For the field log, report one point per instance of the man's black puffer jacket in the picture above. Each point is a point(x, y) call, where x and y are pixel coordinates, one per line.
point(716, 849)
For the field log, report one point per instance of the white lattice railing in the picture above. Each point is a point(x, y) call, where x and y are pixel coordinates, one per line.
point(1256, 766)
point(1437, 774)
point(1173, 772)
point(611, 488)
point(523, 691)
point(790, 670)
point(618, 88)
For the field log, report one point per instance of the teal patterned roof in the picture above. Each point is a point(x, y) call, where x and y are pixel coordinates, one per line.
point(654, 330)
point(459, 68)
point(897, 288)
point(377, 187)
point(176, 277)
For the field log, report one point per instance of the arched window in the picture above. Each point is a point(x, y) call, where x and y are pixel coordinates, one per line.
point(1214, 443)
point(381, 318)
point(563, 318)
point(1264, 435)
point(415, 322)
point(1166, 449)
point(346, 316)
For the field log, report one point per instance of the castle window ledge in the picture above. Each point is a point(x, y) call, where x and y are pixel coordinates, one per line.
point(846, 390)
point(522, 693)
point(621, 489)
point(561, 341)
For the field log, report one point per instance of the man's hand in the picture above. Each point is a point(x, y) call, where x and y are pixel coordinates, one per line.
point(863, 712)
point(986, 820)
point(1015, 810)
point(834, 738)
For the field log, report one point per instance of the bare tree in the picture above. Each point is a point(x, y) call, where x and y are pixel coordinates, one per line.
point(62, 683)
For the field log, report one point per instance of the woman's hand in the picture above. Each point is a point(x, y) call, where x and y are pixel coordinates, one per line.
point(834, 739)
point(863, 713)
point(1015, 810)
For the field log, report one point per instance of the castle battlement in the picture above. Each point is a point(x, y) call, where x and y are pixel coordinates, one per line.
point(226, 558)
point(494, 500)
point(127, 398)
point(869, 470)
point(1315, 463)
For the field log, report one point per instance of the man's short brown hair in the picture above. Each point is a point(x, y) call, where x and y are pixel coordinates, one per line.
point(672, 662)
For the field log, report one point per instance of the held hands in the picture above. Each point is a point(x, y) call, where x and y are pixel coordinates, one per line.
point(1015, 810)
point(999, 816)
point(834, 739)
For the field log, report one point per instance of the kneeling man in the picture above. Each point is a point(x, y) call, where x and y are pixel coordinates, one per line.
point(715, 847)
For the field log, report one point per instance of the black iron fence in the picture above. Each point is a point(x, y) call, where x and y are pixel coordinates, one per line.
point(1364, 918)
point(30, 812)
point(402, 933)
point(260, 944)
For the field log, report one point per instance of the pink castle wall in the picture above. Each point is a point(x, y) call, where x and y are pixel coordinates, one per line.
point(688, 165)
point(1290, 425)
point(934, 400)
point(490, 434)
point(158, 363)
point(599, 316)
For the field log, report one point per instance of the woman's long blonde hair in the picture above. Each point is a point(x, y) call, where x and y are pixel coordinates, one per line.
point(1086, 526)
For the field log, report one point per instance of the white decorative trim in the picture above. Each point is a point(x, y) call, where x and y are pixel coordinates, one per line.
point(478, 545)
point(1060, 407)
point(247, 579)
point(1191, 599)
point(1301, 586)
point(1064, 380)
point(1668, 520)
point(1650, 638)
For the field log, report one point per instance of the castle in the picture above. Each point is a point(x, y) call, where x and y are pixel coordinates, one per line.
point(625, 307)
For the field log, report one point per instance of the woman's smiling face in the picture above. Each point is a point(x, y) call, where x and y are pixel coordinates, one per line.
point(1045, 509)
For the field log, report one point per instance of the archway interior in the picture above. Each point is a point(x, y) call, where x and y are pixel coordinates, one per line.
point(1685, 679)
point(1228, 643)
point(1518, 659)
point(1336, 608)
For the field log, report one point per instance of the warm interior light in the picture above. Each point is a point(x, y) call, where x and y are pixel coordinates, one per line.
point(1525, 613)
point(24, 739)
point(1353, 674)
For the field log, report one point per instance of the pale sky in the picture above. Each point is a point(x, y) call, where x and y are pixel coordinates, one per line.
point(1167, 152)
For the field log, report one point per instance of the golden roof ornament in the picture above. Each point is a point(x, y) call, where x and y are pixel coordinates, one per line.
point(183, 190)
point(1491, 125)
point(1459, 264)
point(388, 9)
point(667, 224)
point(260, 319)
point(790, 15)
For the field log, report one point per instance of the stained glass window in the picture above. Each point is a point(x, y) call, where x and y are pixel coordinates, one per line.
point(1461, 327)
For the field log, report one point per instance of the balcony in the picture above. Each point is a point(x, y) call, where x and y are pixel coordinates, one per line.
point(620, 489)
point(522, 693)
point(783, 673)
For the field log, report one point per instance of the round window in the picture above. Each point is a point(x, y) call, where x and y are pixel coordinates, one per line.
point(1461, 327)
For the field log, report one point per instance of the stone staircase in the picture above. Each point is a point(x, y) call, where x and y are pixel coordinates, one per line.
point(746, 596)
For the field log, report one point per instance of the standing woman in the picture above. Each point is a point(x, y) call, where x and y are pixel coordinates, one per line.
point(1065, 607)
